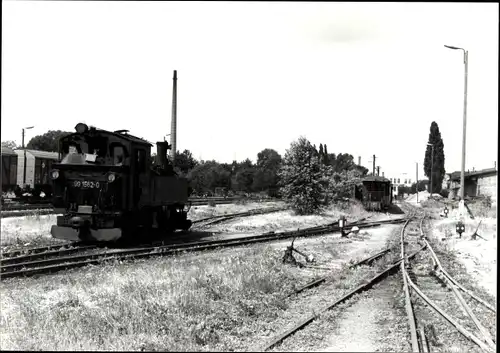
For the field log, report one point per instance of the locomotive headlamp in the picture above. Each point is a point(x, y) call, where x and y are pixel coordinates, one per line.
point(54, 174)
point(446, 211)
point(81, 128)
point(460, 228)
point(111, 177)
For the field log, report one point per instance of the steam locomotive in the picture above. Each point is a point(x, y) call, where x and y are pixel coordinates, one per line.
point(107, 188)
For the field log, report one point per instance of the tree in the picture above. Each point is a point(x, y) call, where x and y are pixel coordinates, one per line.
point(303, 178)
point(438, 167)
point(266, 171)
point(185, 161)
point(48, 141)
point(325, 156)
point(10, 144)
point(321, 153)
point(343, 162)
point(206, 176)
point(243, 176)
point(421, 186)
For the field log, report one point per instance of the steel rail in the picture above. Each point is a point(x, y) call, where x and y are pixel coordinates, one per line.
point(367, 285)
point(408, 304)
point(423, 340)
point(448, 318)
point(22, 252)
point(193, 201)
point(455, 282)
point(75, 261)
point(324, 278)
point(8, 257)
point(486, 335)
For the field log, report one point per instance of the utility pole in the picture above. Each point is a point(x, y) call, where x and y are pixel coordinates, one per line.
point(378, 170)
point(374, 165)
point(417, 182)
point(462, 171)
point(24, 166)
point(173, 126)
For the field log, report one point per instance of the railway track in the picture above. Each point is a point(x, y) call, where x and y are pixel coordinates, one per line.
point(412, 242)
point(32, 254)
point(44, 209)
point(27, 266)
point(428, 297)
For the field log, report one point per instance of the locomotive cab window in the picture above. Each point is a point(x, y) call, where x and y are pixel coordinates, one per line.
point(118, 155)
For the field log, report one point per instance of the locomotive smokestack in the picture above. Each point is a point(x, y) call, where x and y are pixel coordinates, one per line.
point(173, 127)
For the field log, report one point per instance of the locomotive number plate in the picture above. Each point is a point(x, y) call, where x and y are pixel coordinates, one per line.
point(84, 184)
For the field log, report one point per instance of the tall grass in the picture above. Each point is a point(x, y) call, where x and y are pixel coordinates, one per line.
point(178, 304)
point(33, 229)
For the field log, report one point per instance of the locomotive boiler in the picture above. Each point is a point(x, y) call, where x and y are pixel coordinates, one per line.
point(107, 187)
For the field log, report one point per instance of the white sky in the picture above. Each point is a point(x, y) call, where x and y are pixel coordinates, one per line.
point(364, 78)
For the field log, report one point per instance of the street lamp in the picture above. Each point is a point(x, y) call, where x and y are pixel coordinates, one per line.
point(432, 165)
point(462, 172)
point(24, 167)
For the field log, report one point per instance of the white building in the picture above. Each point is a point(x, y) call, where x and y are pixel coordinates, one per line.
point(400, 179)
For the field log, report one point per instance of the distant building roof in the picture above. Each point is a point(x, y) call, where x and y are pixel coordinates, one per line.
point(456, 175)
point(8, 151)
point(40, 154)
point(376, 178)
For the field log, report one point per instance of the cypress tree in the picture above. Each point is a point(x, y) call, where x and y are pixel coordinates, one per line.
point(438, 167)
point(321, 152)
point(325, 158)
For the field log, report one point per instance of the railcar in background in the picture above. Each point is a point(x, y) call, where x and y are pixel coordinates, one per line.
point(9, 169)
point(375, 193)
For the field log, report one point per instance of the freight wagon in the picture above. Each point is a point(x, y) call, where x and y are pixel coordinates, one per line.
point(38, 165)
point(9, 169)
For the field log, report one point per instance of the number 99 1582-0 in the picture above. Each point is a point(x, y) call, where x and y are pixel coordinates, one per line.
point(84, 184)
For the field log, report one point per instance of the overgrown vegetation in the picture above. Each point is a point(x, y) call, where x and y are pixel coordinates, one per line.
point(188, 303)
point(312, 179)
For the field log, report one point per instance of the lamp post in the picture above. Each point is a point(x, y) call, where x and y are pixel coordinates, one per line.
point(432, 165)
point(24, 166)
point(462, 171)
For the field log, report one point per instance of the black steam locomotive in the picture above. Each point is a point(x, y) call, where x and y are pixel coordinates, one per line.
point(107, 189)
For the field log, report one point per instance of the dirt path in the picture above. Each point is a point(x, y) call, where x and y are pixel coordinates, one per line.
point(370, 323)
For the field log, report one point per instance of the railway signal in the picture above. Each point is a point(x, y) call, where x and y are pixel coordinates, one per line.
point(460, 228)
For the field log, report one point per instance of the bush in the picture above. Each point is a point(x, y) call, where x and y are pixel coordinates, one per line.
point(445, 193)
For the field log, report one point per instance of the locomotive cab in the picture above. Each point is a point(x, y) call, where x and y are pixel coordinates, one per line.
point(106, 189)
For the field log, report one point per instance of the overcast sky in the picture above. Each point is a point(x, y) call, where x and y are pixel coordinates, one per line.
point(364, 78)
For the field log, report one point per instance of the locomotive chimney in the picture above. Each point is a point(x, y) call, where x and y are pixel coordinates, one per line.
point(161, 153)
point(173, 127)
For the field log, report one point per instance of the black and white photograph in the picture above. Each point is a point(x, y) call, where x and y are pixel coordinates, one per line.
point(249, 176)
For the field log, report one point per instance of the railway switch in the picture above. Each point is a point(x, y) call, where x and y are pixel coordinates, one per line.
point(342, 224)
point(460, 228)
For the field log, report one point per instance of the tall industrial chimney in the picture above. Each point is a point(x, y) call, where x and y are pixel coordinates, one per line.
point(173, 127)
point(359, 160)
